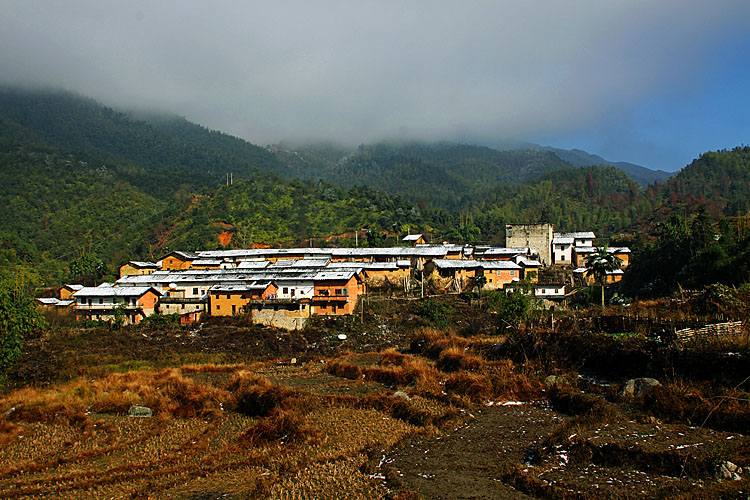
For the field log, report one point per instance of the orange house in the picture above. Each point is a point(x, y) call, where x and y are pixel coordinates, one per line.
point(336, 293)
point(177, 261)
point(231, 300)
point(498, 273)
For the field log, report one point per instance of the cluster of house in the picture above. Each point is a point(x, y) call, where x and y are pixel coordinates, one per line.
point(284, 287)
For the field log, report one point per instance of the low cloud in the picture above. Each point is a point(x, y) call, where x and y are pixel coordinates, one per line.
point(354, 72)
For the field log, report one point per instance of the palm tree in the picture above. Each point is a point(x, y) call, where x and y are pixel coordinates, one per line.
point(599, 264)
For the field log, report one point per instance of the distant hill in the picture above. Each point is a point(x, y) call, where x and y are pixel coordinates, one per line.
point(79, 178)
point(445, 175)
point(718, 179)
point(579, 158)
point(161, 147)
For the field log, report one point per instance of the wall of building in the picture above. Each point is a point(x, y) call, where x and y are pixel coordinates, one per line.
point(343, 297)
point(288, 316)
point(535, 236)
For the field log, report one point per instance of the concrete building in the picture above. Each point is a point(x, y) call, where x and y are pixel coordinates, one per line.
point(535, 236)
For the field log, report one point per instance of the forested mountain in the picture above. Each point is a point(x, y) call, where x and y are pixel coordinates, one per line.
point(154, 155)
point(718, 179)
point(602, 199)
point(579, 158)
point(82, 179)
point(445, 175)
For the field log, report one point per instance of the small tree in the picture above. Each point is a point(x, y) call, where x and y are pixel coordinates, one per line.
point(599, 264)
point(479, 282)
point(18, 318)
point(87, 269)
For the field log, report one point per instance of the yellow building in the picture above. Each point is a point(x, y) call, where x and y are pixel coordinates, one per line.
point(137, 268)
point(230, 300)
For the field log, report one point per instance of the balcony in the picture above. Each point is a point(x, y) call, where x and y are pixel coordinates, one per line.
point(330, 298)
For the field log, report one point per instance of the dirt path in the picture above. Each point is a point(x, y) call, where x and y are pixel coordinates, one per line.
point(469, 462)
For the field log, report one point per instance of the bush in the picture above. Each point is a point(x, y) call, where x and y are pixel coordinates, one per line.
point(512, 308)
point(435, 312)
point(18, 318)
point(257, 396)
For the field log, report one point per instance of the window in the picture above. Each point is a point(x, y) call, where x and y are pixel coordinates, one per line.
point(338, 291)
point(234, 309)
point(101, 301)
point(228, 297)
point(285, 290)
point(218, 307)
point(512, 273)
point(195, 291)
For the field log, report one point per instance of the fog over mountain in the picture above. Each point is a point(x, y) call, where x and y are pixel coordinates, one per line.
point(605, 77)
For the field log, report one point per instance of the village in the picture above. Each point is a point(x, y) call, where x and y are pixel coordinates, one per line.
point(284, 287)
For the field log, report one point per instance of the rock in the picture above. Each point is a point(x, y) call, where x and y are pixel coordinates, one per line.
point(401, 394)
point(728, 470)
point(140, 411)
point(636, 386)
point(552, 381)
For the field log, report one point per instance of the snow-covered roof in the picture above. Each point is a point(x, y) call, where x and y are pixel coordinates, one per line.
point(143, 265)
point(506, 251)
point(73, 287)
point(563, 240)
point(301, 263)
point(524, 262)
point(411, 237)
point(582, 250)
point(456, 264)
point(253, 264)
point(112, 291)
point(206, 262)
point(252, 287)
point(48, 301)
point(581, 235)
point(499, 264)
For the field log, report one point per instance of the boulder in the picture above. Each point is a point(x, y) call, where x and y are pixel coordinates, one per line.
point(140, 411)
point(552, 381)
point(728, 470)
point(636, 386)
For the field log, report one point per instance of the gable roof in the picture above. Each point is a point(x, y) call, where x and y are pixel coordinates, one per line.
point(115, 291)
point(411, 237)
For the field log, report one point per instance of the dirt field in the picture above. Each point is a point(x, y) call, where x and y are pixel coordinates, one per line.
point(398, 410)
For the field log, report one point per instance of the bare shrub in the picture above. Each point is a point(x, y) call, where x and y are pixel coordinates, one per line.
point(279, 425)
point(476, 387)
point(344, 369)
point(455, 358)
point(255, 396)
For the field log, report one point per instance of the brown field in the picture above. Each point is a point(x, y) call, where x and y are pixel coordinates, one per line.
point(394, 412)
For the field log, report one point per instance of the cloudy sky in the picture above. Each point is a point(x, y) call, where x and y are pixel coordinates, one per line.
point(651, 82)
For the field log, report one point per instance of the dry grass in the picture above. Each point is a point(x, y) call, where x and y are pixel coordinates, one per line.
point(344, 369)
point(165, 391)
point(431, 343)
point(287, 426)
point(475, 386)
point(455, 358)
point(256, 396)
point(727, 410)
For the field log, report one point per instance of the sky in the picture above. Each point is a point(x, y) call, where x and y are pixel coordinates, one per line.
point(654, 83)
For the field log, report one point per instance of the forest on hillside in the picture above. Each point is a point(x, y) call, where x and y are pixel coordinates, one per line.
point(81, 179)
